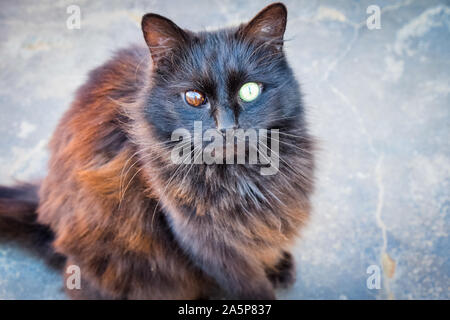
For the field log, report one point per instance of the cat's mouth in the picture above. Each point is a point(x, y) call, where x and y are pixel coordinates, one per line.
point(247, 147)
point(224, 151)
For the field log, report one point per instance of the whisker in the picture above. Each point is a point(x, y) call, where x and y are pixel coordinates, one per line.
point(279, 157)
point(148, 157)
point(146, 149)
point(292, 145)
point(167, 185)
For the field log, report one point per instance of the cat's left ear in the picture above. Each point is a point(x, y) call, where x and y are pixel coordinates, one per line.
point(162, 35)
point(267, 26)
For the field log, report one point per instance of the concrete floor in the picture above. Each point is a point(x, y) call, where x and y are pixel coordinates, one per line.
point(378, 100)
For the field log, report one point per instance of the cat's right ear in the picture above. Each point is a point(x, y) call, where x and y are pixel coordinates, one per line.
point(267, 26)
point(162, 35)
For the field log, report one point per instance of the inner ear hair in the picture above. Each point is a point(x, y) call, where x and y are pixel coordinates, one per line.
point(267, 26)
point(161, 35)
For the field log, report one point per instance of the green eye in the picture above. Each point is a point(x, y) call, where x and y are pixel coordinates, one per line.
point(249, 91)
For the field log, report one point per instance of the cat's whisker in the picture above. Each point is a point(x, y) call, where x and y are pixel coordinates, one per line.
point(292, 145)
point(291, 134)
point(294, 138)
point(279, 157)
point(196, 149)
point(124, 166)
point(148, 157)
point(122, 193)
point(259, 153)
point(146, 149)
point(282, 118)
point(126, 188)
point(168, 182)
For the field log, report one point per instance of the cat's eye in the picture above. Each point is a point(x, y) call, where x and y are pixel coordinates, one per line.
point(250, 91)
point(195, 98)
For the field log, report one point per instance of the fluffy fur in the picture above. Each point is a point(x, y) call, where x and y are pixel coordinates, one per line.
point(142, 227)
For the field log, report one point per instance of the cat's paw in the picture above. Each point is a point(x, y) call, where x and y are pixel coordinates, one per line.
point(283, 274)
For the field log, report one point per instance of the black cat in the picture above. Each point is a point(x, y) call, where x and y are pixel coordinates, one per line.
point(140, 226)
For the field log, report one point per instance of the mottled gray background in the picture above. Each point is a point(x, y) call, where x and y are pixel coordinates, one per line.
point(378, 100)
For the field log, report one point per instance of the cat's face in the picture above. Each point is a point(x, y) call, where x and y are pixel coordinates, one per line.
point(236, 78)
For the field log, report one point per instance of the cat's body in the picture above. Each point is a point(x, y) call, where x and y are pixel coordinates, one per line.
point(140, 226)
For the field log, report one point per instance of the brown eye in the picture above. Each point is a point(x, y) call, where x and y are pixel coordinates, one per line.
point(194, 98)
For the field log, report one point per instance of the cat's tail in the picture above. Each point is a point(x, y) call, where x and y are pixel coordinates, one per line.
point(18, 222)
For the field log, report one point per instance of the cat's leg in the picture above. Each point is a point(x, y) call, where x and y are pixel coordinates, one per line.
point(282, 274)
point(240, 276)
point(231, 264)
point(136, 278)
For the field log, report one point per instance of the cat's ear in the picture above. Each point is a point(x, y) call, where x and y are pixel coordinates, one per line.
point(267, 26)
point(161, 35)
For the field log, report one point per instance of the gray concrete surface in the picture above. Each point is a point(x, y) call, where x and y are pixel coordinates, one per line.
point(378, 100)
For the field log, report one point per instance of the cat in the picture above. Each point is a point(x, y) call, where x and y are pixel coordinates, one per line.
point(142, 227)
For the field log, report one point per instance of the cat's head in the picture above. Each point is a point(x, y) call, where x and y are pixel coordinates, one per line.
point(231, 78)
point(226, 79)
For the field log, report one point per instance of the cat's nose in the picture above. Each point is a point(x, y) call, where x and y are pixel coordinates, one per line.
point(225, 120)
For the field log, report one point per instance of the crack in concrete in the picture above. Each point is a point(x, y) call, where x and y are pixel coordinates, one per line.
point(334, 64)
point(356, 27)
point(387, 263)
point(354, 109)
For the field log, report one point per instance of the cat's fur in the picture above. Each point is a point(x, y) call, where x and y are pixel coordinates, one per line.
point(142, 227)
